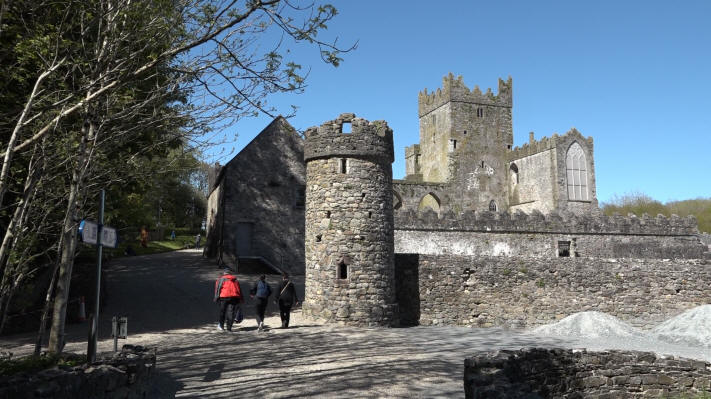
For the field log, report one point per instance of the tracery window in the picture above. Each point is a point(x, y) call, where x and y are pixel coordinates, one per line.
point(576, 173)
point(492, 206)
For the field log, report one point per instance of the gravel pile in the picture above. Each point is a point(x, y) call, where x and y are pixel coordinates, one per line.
point(687, 335)
point(692, 327)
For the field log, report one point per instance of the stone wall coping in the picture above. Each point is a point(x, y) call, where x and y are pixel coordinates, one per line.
point(553, 222)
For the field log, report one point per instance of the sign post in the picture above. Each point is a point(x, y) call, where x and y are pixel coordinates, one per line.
point(97, 233)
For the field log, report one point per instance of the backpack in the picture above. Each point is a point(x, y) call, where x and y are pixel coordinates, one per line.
point(263, 289)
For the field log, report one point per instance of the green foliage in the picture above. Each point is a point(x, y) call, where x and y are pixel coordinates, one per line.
point(540, 283)
point(639, 204)
point(31, 364)
point(154, 247)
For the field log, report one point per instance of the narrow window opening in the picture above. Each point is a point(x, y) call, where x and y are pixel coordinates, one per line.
point(344, 165)
point(465, 132)
point(508, 146)
point(342, 270)
point(300, 200)
point(564, 249)
point(480, 112)
point(370, 215)
point(492, 206)
point(318, 238)
point(362, 195)
point(346, 127)
point(328, 214)
point(452, 145)
point(482, 164)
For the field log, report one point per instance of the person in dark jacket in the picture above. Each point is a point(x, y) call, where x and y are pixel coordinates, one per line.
point(262, 291)
point(228, 295)
point(286, 298)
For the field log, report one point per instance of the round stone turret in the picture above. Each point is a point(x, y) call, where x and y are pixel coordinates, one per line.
point(349, 223)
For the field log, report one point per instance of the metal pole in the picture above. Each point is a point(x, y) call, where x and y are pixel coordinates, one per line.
point(92, 345)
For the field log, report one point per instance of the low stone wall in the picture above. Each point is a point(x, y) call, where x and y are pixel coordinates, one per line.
point(126, 375)
point(521, 292)
point(559, 373)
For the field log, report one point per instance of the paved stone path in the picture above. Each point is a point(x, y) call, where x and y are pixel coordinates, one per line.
point(168, 301)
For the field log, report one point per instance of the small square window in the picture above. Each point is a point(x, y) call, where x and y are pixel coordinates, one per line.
point(346, 127)
point(564, 249)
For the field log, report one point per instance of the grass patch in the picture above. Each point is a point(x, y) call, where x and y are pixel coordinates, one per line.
point(154, 247)
point(33, 364)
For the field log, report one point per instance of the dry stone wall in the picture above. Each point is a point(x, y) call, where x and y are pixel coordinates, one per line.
point(125, 375)
point(559, 373)
point(524, 293)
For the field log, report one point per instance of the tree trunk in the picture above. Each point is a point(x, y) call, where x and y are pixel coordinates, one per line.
point(69, 244)
point(45, 309)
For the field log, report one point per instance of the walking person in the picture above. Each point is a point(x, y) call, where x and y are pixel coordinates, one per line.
point(228, 295)
point(262, 291)
point(197, 241)
point(286, 298)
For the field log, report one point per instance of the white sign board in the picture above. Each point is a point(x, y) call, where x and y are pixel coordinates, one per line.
point(89, 231)
point(89, 234)
point(109, 237)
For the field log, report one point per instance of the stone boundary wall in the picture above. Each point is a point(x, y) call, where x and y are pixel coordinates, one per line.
point(550, 223)
point(518, 292)
point(561, 373)
point(125, 375)
point(547, 245)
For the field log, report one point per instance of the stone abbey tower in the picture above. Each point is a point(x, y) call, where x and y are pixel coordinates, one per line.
point(349, 244)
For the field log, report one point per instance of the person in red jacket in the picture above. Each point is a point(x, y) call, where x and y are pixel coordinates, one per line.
point(228, 295)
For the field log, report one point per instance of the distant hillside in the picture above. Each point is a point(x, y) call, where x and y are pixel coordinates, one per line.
point(638, 204)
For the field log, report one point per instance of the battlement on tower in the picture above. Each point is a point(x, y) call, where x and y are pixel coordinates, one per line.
point(365, 139)
point(547, 143)
point(454, 89)
point(487, 221)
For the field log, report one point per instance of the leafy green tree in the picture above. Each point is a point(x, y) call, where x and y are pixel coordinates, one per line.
point(104, 88)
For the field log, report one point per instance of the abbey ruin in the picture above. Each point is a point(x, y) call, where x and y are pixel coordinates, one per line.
point(477, 233)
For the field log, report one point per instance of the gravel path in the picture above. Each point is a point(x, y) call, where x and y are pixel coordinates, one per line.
point(168, 301)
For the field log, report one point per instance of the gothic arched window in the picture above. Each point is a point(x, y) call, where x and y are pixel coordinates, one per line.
point(492, 206)
point(577, 173)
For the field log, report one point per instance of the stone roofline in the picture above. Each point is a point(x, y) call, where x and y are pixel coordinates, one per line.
point(367, 139)
point(487, 221)
point(547, 143)
point(454, 89)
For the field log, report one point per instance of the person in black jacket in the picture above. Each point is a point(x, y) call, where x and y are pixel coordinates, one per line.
point(262, 291)
point(286, 298)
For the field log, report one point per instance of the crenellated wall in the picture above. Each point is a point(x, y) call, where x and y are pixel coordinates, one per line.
point(454, 89)
point(538, 236)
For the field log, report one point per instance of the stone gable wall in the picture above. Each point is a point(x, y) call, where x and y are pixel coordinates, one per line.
point(560, 373)
point(261, 187)
point(527, 292)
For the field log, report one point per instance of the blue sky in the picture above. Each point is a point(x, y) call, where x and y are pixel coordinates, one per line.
point(634, 75)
